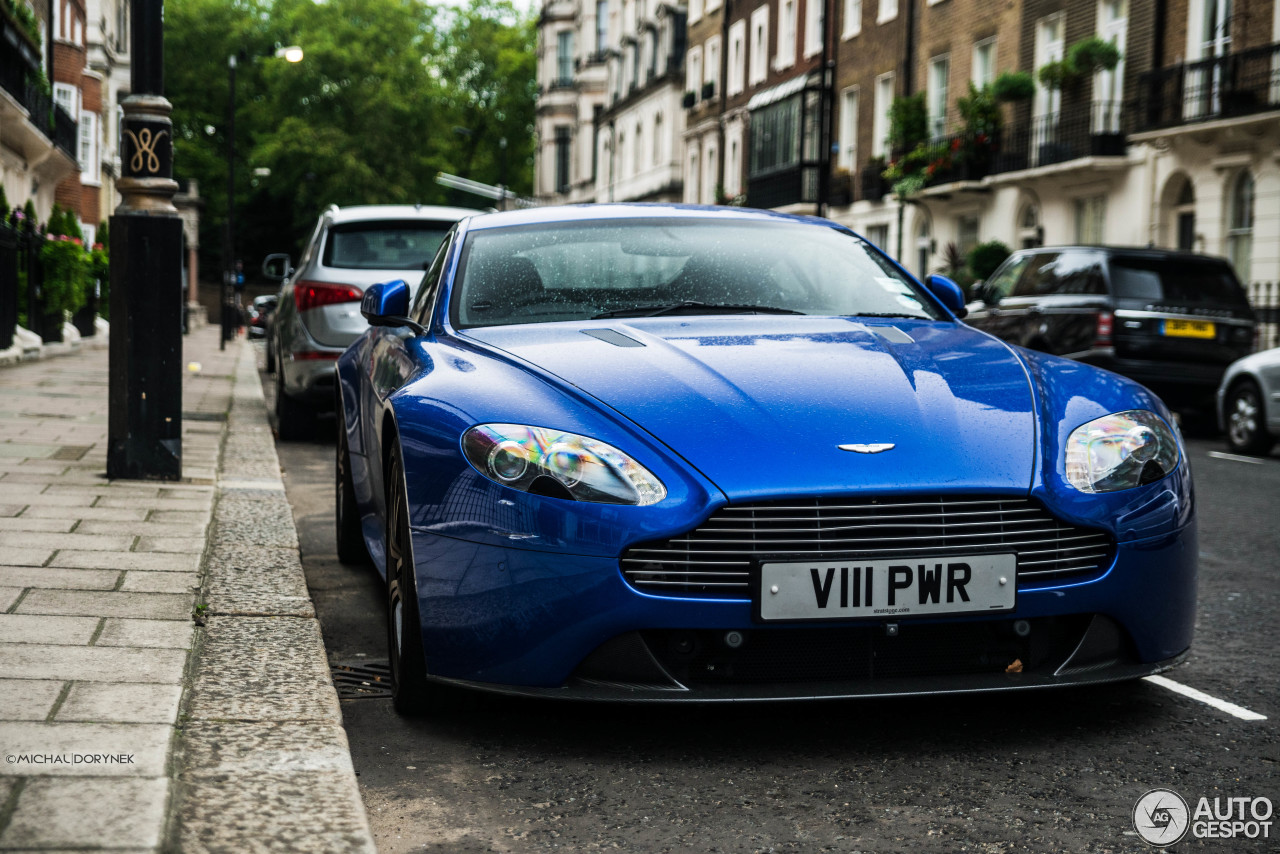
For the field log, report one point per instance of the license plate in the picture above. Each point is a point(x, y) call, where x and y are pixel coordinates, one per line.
point(886, 589)
point(1189, 329)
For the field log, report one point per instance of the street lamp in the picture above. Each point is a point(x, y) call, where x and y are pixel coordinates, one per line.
point(292, 53)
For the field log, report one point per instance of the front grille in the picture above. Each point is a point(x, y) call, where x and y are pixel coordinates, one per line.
point(714, 560)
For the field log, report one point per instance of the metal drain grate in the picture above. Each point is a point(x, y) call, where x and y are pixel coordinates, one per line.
point(204, 416)
point(361, 680)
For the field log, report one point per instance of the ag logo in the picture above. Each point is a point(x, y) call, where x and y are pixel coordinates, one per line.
point(1161, 817)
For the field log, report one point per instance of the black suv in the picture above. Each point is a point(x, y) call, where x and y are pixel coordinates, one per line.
point(1173, 321)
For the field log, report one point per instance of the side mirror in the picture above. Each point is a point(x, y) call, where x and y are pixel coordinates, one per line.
point(387, 304)
point(277, 267)
point(948, 293)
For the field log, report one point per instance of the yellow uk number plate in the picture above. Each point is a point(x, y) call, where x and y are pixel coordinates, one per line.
point(1189, 329)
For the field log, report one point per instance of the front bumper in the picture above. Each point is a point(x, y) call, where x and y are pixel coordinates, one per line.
point(540, 623)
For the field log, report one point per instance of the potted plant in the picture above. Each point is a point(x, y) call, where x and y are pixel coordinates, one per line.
point(690, 98)
point(708, 90)
point(1013, 86)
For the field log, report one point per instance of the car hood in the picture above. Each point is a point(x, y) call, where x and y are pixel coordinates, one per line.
point(760, 405)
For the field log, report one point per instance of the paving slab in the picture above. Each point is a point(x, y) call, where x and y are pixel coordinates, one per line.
point(160, 634)
point(27, 700)
point(66, 579)
point(160, 582)
point(153, 561)
point(33, 628)
point(24, 557)
point(34, 524)
point(81, 542)
point(256, 580)
point(9, 595)
point(97, 514)
point(91, 663)
point(143, 529)
point(67, 812)
point(121, 702)
point(255, 521)
point(186, 545)
point(153, 606)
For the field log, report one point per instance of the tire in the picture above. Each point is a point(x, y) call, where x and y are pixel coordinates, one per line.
point(271, 355)
point(346, 515)
point(410, 692)
point(294, 420)
point(1246, 420)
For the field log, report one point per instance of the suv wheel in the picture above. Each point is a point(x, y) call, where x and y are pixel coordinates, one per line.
point(294, 419)
point(1246, 425)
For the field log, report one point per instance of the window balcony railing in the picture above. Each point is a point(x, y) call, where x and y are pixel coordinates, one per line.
point(797, 184)
point(1237, 84)
point(1096, 129)
point(18, 77)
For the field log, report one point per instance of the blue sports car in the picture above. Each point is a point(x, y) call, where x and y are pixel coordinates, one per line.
point(663, 453)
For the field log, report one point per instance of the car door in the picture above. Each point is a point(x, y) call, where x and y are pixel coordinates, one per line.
point(987, 313)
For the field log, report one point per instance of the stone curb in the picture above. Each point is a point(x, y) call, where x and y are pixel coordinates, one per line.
point(261, 761)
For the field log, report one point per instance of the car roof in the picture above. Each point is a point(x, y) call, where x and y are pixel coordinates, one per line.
point(1128, 251)
point(638, 210)
point(364, 213)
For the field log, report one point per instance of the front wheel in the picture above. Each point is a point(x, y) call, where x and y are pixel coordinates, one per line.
point(409, 690)
point(1246, 421)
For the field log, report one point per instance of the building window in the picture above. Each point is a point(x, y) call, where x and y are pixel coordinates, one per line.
point(602, 26)
point(939, 72)
point(880, 125)
point(879, 235)
point(1048, 102)
point(564, 58)
point(888, 11)
point(786, 56)
point(695, 10)
point(1091, 219)
point(813, 12)
point(733, 169)
point(737, 56)
point(966, 234)
point(90, 165)
point(638, 145)
point(67, 98)
point(1108, 86)
point(693, 71)
point(712, 181)
point(849, 129)
point(775, 137)
point(984, 62)
point(711, 74)
point(562, 159)
point(712, 5)
point(759, 45)
point(852, 18)
point(657, 140)
point(1240, 226)
point(692, 188)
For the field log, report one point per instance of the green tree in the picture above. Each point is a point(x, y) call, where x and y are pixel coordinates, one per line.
point(366, 117)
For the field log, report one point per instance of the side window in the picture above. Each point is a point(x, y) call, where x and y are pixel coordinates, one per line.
point(1001, 283)
point(431, 282)
point(1079, 273)
point(1040, 277)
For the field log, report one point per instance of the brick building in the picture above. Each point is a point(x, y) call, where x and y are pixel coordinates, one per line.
point(38, 138)
point(78, 90)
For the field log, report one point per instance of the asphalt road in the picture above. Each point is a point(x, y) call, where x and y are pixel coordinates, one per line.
point(1053, 771)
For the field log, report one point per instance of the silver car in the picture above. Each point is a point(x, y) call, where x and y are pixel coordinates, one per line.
point(1249, 402)
point(318, 313)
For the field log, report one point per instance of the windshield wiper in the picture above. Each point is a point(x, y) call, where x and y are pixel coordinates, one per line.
point(695, 307)
point(889, 314)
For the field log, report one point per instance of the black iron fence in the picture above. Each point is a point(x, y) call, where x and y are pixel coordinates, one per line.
point(21, 283)
point(21, 81)
point(1095, 129)
point(1236, 84)
point(1265, 299)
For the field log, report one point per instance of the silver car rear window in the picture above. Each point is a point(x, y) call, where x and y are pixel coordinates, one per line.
point(384, 245)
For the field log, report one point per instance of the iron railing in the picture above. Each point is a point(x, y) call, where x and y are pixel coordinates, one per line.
point(1237, 84)
point(20, 78)
point(1265, 299)
point(1085, 130)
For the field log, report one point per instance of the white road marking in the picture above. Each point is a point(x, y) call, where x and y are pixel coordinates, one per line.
point(1235, 458)
point(1221, 705)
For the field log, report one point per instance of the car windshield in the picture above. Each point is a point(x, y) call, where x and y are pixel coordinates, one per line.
point(383, 245)
point(678, 266)
point(1183, 281)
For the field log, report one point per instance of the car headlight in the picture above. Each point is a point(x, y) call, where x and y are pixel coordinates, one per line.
point(1121, 451)
point(559, 464)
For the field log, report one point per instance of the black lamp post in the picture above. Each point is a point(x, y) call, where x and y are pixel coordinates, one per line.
point(293, 53)
point(144, 420)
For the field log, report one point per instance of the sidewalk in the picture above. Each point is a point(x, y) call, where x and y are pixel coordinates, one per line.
point(123, 723)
